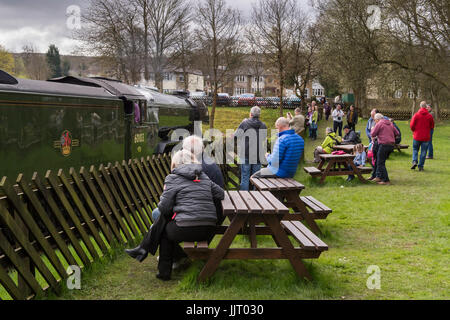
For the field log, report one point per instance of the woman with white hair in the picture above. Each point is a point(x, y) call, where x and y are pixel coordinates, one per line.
point(187, 211)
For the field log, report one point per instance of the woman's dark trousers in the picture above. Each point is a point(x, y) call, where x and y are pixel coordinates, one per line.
point(169, 249)
point(383, 153)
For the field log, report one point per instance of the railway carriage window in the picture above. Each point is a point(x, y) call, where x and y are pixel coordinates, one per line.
point(137, 113)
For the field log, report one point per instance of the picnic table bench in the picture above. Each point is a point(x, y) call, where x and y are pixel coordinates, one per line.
point(337, 166)
point(244, 209)
point(401, 146)
point(288, 191)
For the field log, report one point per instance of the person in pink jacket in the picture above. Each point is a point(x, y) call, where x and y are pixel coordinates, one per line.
point(385, 132)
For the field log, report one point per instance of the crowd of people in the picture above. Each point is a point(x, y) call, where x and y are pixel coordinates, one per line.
point(190, 205)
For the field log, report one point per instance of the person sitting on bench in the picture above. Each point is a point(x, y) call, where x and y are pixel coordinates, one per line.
point(327, 145)
point(350, 136)
point(187, 211)
point(359, 160)
point(287, 151)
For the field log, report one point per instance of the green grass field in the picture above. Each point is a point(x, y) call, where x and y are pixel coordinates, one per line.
point(402, 228)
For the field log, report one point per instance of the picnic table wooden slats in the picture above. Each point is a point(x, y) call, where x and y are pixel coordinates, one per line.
point(279, 207)
point(239, 204)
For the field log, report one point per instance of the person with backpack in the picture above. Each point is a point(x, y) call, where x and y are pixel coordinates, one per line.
point(327, 145)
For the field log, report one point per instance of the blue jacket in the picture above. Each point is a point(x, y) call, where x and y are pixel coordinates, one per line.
point(286, 154)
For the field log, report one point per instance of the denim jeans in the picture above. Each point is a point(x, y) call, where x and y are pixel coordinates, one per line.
point(247, 170)
point(383, 153)
point(337, 126)
point(423, 146)
point(430, 145)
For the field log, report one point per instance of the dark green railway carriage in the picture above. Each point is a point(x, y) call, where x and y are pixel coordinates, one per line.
point(74, 122)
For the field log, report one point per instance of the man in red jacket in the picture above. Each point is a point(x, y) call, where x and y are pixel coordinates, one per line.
point(421, 124)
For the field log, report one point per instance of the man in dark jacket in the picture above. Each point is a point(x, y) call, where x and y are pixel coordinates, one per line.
point(350, 136)
point(187, 206)
point(251, 139)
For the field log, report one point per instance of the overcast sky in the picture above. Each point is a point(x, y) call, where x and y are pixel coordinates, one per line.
point(44, 22)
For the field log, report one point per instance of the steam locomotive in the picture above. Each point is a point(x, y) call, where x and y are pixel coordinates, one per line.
point(74, 121)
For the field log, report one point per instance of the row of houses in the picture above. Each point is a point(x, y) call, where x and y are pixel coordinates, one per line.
point(266, 85)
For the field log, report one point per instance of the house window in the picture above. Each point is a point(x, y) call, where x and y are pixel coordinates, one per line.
point(318, 92)
point(258, 79)
point(398, 94)
point(239, 91)
point(240, 78)
point(167, 76)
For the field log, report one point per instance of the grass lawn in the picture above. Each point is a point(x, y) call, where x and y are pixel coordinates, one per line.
point(402, 228)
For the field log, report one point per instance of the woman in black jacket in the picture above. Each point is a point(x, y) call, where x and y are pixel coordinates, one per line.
point(187, 211)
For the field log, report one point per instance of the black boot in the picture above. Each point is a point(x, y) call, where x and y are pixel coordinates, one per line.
point(137, 253)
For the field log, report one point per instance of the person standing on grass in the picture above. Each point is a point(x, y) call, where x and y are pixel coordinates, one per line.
point(385, 132)
point(421, 125)
point(430, 144)
point(251, 136)
point(287, 151)
point(338, 115)
point(297, 122)
point(327, 110)
point(314, 121)
point(371, 124)
point(352, 117)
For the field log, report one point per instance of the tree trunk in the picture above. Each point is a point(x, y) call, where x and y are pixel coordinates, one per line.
point(281, 92)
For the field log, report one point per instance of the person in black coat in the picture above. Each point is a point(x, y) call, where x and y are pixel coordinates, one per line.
point(188, 213)
point(352, 117)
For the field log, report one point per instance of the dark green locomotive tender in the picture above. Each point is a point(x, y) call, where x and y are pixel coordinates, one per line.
point(73, 122)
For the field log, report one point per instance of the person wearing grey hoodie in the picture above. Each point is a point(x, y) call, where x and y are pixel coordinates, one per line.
point(187, 207)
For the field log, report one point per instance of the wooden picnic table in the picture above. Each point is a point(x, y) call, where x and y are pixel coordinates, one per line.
point(348, 148)
point(288, 191)
point(337, 165)
point(244, 209)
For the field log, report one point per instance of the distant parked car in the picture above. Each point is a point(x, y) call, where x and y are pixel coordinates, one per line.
point(273, 101)
point(223, 99)
point(261, 102)
point(293, 101)
point(200, 96)
point(246, 99)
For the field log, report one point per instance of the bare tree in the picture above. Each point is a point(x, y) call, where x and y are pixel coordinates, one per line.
point(274, 22)
point(36, 67)
point(111, 31)
point(164, 19)
point(218, 32)
point(302, 66)
point(255, 55)
point(183, 52)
